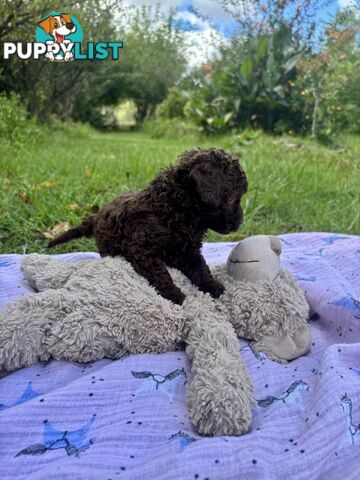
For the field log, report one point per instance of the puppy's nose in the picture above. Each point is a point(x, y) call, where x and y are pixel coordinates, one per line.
point(70, 26)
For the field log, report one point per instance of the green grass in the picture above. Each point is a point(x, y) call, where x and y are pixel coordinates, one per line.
point(310, 188)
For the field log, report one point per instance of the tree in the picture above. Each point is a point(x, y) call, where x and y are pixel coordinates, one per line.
point(266, 16)
point(52, 88)
point(329, 79)
point(153, 60)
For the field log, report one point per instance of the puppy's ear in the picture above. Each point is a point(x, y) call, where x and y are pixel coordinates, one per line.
point(47, 25)
point(66, 17)
point(208, 180)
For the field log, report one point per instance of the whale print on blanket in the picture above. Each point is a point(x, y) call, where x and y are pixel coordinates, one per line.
point(348, 302)
point(28, 394)
point(182, 439)
point(292, 396)
point(73, 442)
point(167, 384)
point(352, 433)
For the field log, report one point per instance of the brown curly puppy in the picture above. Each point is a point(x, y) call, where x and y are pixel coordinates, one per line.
point(165, 223)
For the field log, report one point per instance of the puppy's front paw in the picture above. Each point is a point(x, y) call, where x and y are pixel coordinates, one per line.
point(214, 288)
point(175, 296)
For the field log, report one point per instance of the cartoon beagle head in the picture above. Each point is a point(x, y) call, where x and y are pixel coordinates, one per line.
point(58, 26)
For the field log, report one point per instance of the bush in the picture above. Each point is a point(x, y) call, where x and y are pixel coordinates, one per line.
point(328, 84)
point(250, 85)
point(169, 128)
point(16, 128)
point(101, 118)
point(174, 104)
point(272, 82)
point(69, 128)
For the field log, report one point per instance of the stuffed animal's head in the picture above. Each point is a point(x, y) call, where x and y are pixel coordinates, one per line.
point(255, 259)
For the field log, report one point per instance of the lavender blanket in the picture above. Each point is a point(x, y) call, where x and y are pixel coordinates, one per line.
point(127, 418)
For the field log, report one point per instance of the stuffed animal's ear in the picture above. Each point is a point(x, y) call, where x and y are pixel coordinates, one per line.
point(275, 245)
point(47, 24)
point(208, 183)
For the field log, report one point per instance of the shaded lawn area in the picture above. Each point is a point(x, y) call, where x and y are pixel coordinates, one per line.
point(294, 184)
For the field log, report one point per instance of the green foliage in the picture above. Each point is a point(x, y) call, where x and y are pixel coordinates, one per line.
point(16, 128)
point(272, 82)
point(153, 60)
point(250, 85)
point(45, 184)
point(246, 137)
point(255, 17)
point(174, 104)
point(51, 88)
point(172, 128)
point(269, 75)
point(99, 117)
point(327, 87)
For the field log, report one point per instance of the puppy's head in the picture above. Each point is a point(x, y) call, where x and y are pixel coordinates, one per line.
point(58, 26)
point(217, 182)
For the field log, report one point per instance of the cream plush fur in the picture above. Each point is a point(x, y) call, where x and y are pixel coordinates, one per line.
point(103, 309)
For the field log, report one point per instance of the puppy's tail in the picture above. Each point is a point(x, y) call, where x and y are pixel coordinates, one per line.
point(85, 229)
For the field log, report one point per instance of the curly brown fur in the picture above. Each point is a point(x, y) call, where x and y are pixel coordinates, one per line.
point(165, 223)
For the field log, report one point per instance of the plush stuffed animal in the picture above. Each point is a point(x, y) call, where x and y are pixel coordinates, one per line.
point(102, 308)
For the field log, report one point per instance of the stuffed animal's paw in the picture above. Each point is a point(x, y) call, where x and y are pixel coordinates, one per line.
point(31, 265)
point(220, 394)
point(44, 272)
point(217, 406)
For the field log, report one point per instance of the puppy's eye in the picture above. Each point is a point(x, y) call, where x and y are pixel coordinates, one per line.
point(56, 25)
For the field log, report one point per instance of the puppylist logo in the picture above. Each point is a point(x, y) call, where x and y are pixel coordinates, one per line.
point(59, 38)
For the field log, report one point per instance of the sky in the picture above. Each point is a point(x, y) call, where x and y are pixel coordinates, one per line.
point(205, 34)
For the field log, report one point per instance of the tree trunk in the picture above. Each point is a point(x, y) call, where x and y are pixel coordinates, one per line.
point(316, 94)
point(142, 110)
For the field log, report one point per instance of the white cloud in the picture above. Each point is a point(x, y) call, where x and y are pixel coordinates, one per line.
point(202, 46)
point(203, 42)
point(209, 8)
point(348, 4)
point(191, 18)
point(212, 9)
